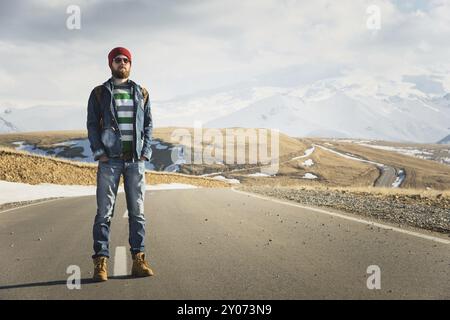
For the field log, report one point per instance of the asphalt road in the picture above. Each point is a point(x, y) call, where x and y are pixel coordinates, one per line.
point(217, 244)
point(387, 177)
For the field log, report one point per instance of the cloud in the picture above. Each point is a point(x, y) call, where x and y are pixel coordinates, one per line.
point(185, 46)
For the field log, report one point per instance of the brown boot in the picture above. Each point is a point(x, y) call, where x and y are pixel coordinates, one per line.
point(140, 268)
point(100, 270)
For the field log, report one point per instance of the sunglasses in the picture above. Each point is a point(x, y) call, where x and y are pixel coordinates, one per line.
point(119, 60)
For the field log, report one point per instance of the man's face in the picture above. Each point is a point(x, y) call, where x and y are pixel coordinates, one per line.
point(120, 67)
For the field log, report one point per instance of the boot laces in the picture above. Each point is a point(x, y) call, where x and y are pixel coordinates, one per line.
point(101, 264)
point(140, 259)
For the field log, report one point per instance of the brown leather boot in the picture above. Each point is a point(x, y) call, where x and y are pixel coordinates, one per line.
point(140, 268)
point(100, 269)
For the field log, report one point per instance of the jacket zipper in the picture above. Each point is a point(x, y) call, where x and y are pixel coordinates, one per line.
point(135, 106)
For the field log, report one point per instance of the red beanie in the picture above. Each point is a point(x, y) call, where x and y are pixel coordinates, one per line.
point(118, 51)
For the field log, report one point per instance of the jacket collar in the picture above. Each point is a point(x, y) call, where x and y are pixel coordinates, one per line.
point(110, 83)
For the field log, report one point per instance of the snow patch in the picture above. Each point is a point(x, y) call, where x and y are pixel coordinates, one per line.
point(222, 178)
point(400, 178)
point(423, 154)
point(14, 191)
point(445, 160)
point(307, 153)
point(170, 186)
point(21, 145)
point(259, 174)
point(59, 147)
point(308, 163)
point(351, 157)
point(161, 147)
point(309, 176)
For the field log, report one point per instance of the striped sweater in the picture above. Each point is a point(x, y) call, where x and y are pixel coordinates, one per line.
point(123, 98)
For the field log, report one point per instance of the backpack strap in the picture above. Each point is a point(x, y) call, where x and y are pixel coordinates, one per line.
point(98, 90)
point(144, 94)
point(98, 93)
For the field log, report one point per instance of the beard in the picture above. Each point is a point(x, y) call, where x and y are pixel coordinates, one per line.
point(120, 73)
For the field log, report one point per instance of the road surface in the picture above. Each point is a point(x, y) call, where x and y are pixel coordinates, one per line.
point(218, 244)
point(388, 176)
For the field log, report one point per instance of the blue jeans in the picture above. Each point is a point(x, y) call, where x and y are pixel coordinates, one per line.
point(108, 177)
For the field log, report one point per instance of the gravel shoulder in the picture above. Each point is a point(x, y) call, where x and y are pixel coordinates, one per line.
point(12, 205)
point(404, 210)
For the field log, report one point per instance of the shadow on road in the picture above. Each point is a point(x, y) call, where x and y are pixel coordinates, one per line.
point(60, 282)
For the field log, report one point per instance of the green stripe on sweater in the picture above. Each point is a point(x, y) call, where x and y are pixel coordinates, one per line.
point(122, 96)
point(125, 120)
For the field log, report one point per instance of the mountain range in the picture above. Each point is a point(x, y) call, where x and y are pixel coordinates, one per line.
point(412, 109)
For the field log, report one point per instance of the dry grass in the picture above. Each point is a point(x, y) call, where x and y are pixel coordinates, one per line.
point(19, 166)
point(41, 139)
point(420, 173)
point(334, 170)
point(331, 169)
point(288, 145)
point(409, 144)
point(288, 148)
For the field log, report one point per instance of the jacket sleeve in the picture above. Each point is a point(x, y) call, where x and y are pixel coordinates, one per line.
point(148, 129)
point(93, 127)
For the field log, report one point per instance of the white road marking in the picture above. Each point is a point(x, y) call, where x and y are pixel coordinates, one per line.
point(120, 261)
point(360, 220)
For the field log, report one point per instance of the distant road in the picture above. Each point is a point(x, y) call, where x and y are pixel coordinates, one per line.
point(388, 174)
point(218, 244)
point(387, 177)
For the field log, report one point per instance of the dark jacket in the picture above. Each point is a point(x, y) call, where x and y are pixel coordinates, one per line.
point(103, 128)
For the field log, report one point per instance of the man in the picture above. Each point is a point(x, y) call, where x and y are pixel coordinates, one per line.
point(119, 124)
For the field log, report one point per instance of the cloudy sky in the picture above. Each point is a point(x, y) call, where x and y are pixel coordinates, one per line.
point(185, 46)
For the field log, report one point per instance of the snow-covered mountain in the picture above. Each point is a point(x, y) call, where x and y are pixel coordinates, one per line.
point(445, 140)
point(339, 108)
point(334, 105)
point(6, 126)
